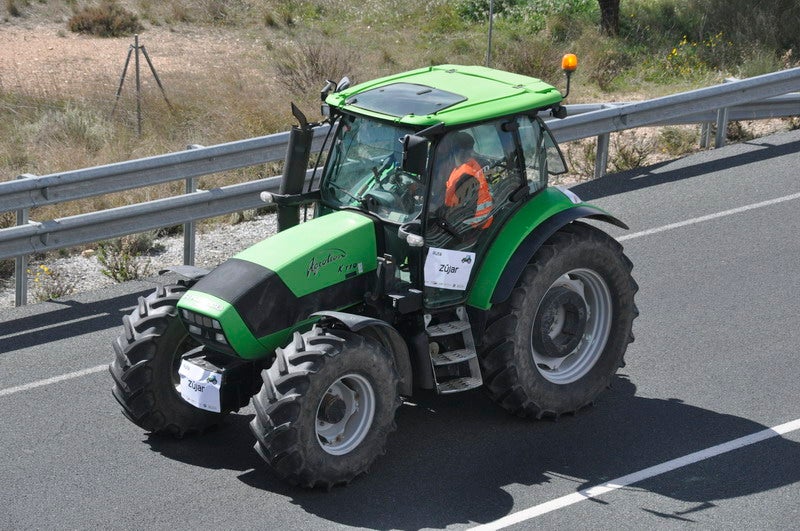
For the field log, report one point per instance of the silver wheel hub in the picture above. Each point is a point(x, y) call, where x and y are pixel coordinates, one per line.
point(344, 414)
point(571, 327)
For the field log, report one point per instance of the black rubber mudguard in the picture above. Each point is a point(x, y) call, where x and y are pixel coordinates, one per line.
point(536, 239)
point(383, 332)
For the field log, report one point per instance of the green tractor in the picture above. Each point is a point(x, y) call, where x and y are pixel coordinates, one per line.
point(437, 258)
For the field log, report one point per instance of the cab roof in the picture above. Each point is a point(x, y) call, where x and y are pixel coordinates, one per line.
point(452, 94)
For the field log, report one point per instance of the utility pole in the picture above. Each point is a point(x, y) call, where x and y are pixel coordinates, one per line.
point(491, 23)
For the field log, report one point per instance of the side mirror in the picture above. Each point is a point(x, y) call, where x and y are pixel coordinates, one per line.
point(329, 86)
point(415, 154)
point(344, 84)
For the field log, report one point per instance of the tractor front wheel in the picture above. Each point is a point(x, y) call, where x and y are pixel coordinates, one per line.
point(326, 407)
point(145, 367)
point(560, 338)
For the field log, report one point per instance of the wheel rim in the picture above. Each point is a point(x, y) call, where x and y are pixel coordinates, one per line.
point(344, 414)
point(596, 297)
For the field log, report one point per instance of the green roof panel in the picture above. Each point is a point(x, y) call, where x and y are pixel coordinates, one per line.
point(457, 95)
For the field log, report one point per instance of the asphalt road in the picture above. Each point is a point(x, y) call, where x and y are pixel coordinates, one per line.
point(714, 239)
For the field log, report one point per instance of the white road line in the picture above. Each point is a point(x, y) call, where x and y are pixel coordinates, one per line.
point(54, 379)
point(709, 217)
point(647, 473)
point(53, 325)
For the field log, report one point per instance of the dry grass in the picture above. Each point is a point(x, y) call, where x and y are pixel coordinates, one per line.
point(230, 69)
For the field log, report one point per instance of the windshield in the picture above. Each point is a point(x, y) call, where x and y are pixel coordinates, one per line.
point(363, 171)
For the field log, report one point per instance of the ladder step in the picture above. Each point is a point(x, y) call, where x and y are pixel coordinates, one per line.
point(453, 356)
point(446, 329)
point(458, 384)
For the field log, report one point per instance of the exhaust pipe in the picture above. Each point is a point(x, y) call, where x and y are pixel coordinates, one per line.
point(294, 168)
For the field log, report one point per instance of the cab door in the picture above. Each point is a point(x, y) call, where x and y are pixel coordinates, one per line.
point(458, 223)
point(516, 156)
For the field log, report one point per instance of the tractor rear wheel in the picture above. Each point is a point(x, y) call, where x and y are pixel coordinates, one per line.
point(145, 367)
point(326, 407)
point(555, 344)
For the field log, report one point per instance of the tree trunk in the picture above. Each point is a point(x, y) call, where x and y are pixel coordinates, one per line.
point(609, 16)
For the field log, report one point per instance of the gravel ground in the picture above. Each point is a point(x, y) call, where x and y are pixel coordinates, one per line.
point(83, 272)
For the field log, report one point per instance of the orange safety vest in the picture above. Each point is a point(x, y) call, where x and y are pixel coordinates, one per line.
point(483, 210)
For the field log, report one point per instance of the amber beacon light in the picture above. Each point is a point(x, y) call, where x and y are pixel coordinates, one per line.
point(569, 63)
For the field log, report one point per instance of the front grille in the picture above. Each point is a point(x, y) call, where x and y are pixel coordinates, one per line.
point(205, 329)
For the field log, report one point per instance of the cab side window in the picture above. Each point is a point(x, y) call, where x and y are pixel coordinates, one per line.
point(500, 165)
point(542, 156)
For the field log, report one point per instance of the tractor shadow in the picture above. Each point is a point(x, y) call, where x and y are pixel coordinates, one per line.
point(458, 459)
point(225, 447)
point(85, 313)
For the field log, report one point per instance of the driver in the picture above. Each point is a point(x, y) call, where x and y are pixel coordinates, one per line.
point(467, 184)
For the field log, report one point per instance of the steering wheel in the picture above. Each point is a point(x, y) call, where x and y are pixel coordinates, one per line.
point(379, 172)
point(499, 164)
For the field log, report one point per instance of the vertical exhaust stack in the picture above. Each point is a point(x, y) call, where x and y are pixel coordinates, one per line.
point(294, 168)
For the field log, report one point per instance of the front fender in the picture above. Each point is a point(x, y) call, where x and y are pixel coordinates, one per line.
point(523, 235)
point(384, 333)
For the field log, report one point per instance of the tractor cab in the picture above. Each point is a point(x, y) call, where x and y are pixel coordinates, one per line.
point(440, 157)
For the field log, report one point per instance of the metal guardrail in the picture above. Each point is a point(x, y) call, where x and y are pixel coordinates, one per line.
point(750, 99)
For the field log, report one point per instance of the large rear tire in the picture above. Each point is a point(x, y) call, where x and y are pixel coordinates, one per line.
point(326, 407)
point(555, 344)
point(145, 367)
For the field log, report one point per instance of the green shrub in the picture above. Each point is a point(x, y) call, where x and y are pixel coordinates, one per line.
point(7, 219)
point(6, 269)
point(768, 23)
point(49, 284)
point(304, 67)
point(12, 6)
point(123, 258)
point(603, 60)
point(72, 124)
point(736, 132)
point(629, 151)
point(530, 55)
point(581, 156)
point(677, 141)
point(109, 19)
point(694, 37)
point(478, 10)
point(528, 10)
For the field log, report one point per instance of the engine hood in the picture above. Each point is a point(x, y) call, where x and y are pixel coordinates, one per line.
point(253, 300)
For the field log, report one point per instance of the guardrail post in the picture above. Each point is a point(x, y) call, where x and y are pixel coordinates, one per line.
point(601, 160)
point(705, 135)
point(21, 262)
point(722, 120)
point(189, 228)
point(722, 127)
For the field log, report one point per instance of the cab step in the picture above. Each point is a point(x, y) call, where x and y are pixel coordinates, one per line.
point(452, 356)
point(448, 328)
point(457, 385)
point(452, 351)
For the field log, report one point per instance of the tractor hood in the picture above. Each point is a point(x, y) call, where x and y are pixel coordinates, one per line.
point(250, 304)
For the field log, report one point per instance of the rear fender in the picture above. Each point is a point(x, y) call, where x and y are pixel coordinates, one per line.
point(504, 283)
point(382, 332)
